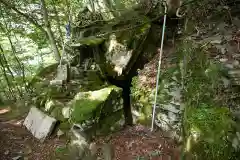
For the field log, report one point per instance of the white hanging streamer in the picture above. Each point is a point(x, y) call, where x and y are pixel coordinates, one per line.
point(159, 66)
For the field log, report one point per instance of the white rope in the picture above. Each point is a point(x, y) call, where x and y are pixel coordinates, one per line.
point(159, 66)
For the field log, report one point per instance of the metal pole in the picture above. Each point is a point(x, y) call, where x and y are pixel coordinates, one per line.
point(159, 67)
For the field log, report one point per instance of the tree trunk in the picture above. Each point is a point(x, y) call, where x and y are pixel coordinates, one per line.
point(14, 52)
point(5, 64)
point(21, 66)
point(6, 77)
point(69, 14)
point(6, 93)
point(58, 22)
point(49, 31)
point(27, 17)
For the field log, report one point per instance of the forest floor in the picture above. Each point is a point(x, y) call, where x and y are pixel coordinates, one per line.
point(136, 142)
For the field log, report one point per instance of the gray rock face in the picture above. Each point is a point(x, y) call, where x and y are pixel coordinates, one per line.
point(62, 75)
point(39, 124)
point(121, 59)
point(79, 142)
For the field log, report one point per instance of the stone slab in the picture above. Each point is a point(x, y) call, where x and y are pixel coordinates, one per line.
point(39, 124)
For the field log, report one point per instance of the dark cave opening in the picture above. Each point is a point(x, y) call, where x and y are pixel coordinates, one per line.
point(126, 95)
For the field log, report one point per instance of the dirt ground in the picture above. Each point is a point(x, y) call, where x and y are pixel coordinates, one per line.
point(136, 142)
point(17, 143)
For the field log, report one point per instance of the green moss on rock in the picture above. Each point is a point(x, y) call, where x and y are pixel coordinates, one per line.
point(90, 105)
point(83, 109)
point(111, 122)
point(65, 126)
point(57, 113)
point(51, 104)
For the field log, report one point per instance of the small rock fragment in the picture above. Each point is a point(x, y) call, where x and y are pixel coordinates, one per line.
point(230, 66)
point(17, 158)
point(216, 41)
point(60, 133)
point(6, 152)
point(66, 112)
point(27, 150)
point(223, 60)
point(235, 63)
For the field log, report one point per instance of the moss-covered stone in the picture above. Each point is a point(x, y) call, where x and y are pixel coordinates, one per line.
point(91, 105)
point(65, 126)
point(83, 109)
point(111, 122)
point(51, 104)
point(57, 113)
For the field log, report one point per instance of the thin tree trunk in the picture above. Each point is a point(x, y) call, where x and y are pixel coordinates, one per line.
point(3, 58)
point(58, 22)
point(5, 62)
point(6, 93)
point(6, 78)
point(69, 15)
point(20, 65)
point(30, 19)
point(49, 31)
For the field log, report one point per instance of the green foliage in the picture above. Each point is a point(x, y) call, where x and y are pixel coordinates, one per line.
point(156, 153)
point(211, 126)
point(201, 75)
point(44, 72)
point(141, 97)
point(205, 119)
point(209, 120)
point(207, 123)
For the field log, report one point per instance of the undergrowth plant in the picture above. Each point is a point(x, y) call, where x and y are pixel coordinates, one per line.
point(141, 99)
point(207, 123)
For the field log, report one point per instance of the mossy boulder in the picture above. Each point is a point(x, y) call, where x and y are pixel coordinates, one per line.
point(93, 105)
point(65, 126)
point(51, 104)
point(57, 114)
point(111, 123)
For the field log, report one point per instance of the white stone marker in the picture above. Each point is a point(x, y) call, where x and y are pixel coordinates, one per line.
point(39, 124)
